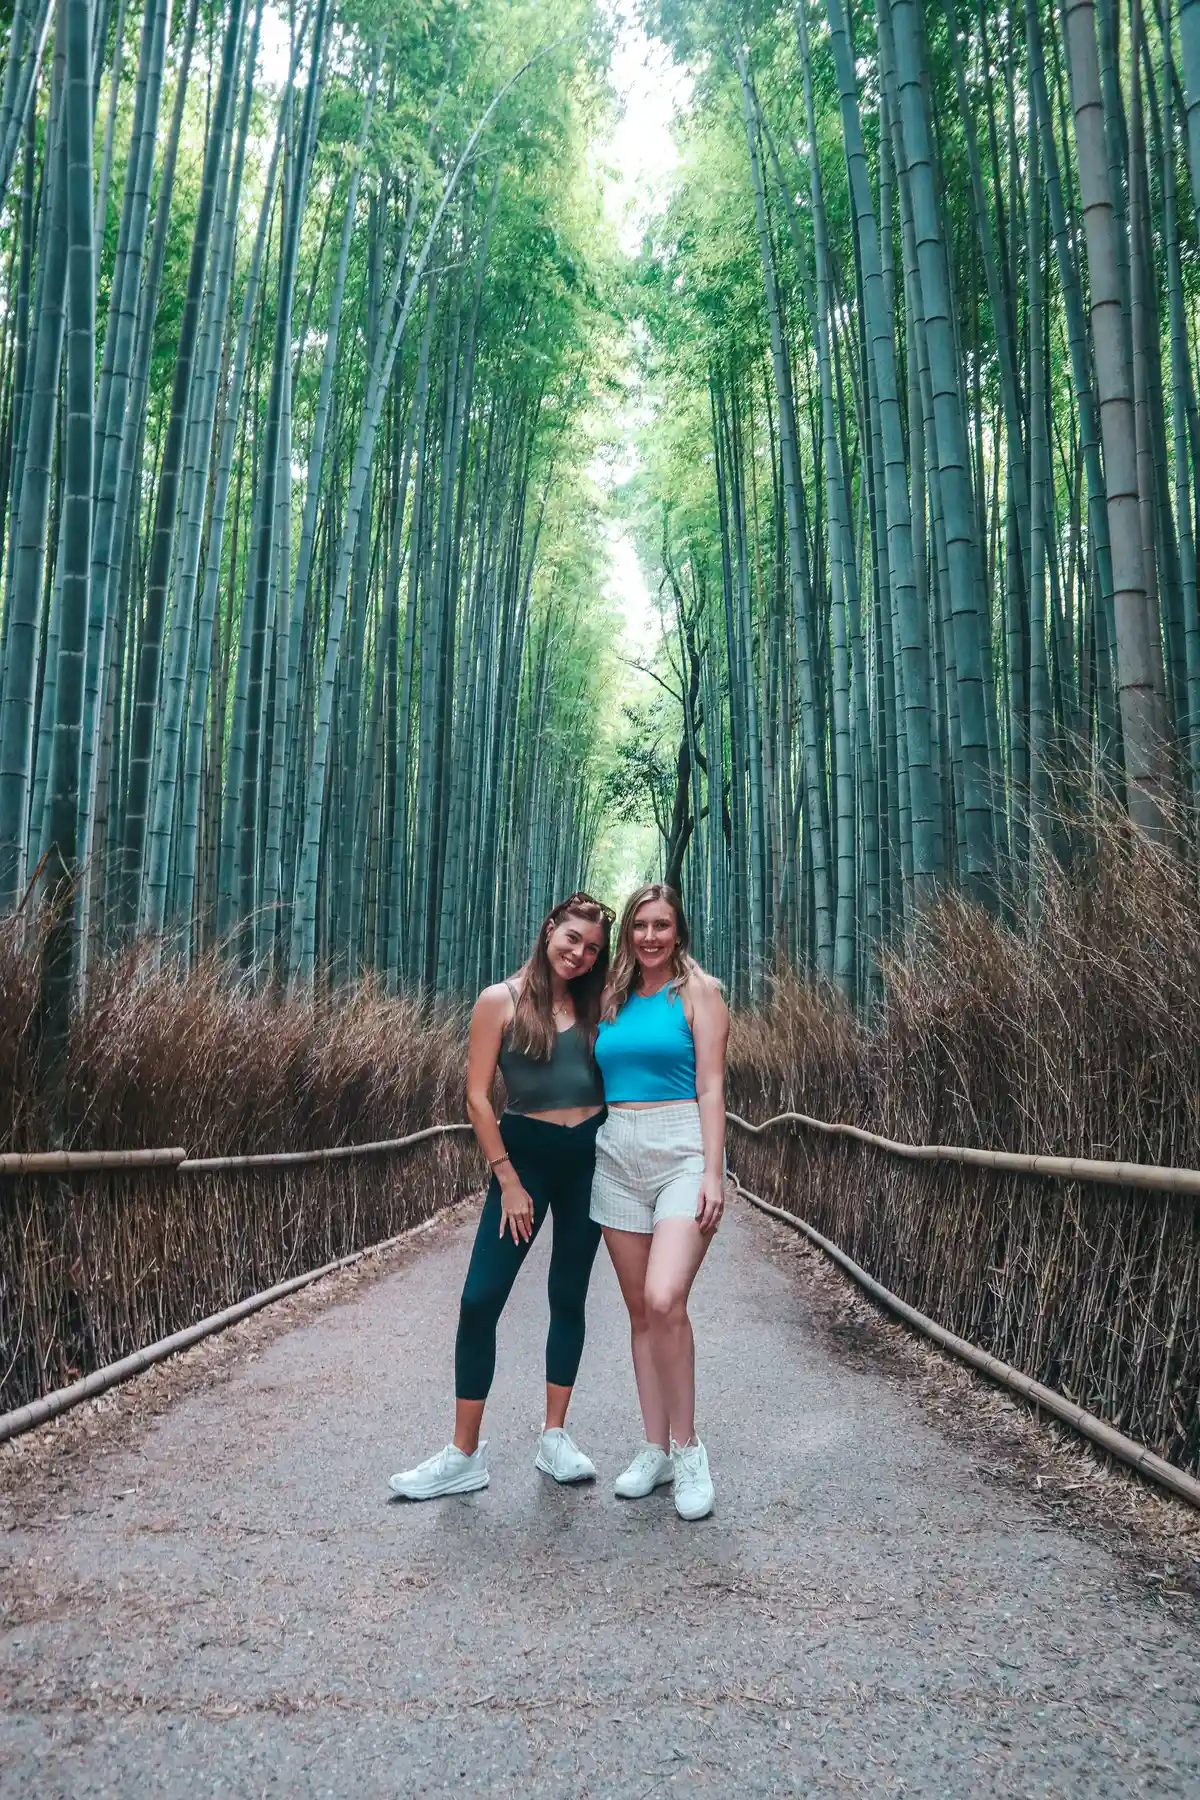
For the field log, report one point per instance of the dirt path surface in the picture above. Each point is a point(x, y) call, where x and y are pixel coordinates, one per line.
point(231, 1605)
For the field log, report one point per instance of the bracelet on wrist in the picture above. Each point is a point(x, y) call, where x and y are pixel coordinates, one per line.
point(494, 1162)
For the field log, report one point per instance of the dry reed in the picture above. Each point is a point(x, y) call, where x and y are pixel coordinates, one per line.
point(1074, 1036)
point(93, 1268)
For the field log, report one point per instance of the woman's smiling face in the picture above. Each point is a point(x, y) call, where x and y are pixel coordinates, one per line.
point(573, 946)
point(655, 934)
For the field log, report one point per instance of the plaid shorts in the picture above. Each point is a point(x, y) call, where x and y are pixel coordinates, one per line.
point(649, 1162)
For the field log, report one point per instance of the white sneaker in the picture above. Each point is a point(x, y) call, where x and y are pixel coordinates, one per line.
point(560, 1456)
point(651, 1467)
point(694, 1491)
point(451, 1471)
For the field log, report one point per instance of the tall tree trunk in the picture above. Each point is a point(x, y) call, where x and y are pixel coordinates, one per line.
point(1138, 647)
point(62, 866)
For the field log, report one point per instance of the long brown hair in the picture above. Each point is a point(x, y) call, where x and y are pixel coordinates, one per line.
point(623, 979)
point(533, 1027)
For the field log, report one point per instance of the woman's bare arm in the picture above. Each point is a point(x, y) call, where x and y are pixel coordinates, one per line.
point(488, 1019)
point(491, 1014)
point(710, 1035)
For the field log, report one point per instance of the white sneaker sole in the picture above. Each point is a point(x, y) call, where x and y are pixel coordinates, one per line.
point(693, 1511)
point(539, 1462)
point(461, 1484)
point(666, 1479)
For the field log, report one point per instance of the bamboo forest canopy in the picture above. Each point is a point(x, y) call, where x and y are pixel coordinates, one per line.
point(303, 314)
point(313, 328)
point(919, 332)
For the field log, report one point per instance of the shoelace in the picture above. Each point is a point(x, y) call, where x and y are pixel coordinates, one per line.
point(687, 1457)
point(646, 1459)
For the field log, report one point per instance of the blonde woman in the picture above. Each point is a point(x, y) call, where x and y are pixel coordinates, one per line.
point(658, 1191)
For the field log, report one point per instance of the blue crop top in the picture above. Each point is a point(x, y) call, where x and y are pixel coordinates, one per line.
point(647, 1053)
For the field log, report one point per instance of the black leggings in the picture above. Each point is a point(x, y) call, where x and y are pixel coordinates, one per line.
point(555, 1164)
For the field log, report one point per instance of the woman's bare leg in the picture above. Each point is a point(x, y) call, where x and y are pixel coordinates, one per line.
point(468, 1417)
point(630, 1253)
point(676, 1252)
point(557, 1401)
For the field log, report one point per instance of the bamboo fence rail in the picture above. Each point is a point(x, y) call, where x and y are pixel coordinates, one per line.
point(1125, 1449)
point(89, 1387)
point(1008, 1162)
point(1060, 1168)
point(67, 1162)
point(1097, 1430)
point(98, 1261)
point(88, 1162)
point(1053, 1168)
point(285, 1159)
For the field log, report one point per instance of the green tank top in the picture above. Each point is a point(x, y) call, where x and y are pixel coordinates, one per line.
point(569, 1078)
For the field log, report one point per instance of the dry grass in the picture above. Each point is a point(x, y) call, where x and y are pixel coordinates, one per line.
point(91, 1269)
point(1078, 1037)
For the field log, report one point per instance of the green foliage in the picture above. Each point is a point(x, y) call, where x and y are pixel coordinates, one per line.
point(449, 366)
point(719, 401)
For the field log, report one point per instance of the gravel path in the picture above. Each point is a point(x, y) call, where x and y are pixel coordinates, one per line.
point(231, 1605)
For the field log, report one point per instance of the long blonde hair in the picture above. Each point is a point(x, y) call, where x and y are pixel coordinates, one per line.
point(623, 976)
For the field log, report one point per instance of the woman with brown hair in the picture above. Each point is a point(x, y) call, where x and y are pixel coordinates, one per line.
point(539, 1029)
point(659, 1186)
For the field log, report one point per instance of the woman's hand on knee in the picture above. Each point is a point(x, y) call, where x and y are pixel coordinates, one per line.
point(710, 1203)
point(516, 1212)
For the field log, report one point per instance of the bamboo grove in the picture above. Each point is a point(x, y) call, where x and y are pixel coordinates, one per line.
point(298, 327)
point(309, 325)
point(921, 482)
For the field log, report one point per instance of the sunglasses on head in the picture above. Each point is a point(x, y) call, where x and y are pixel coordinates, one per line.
point(582, 899)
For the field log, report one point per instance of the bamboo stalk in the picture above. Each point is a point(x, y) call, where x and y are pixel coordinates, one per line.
point(1126, 1450)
